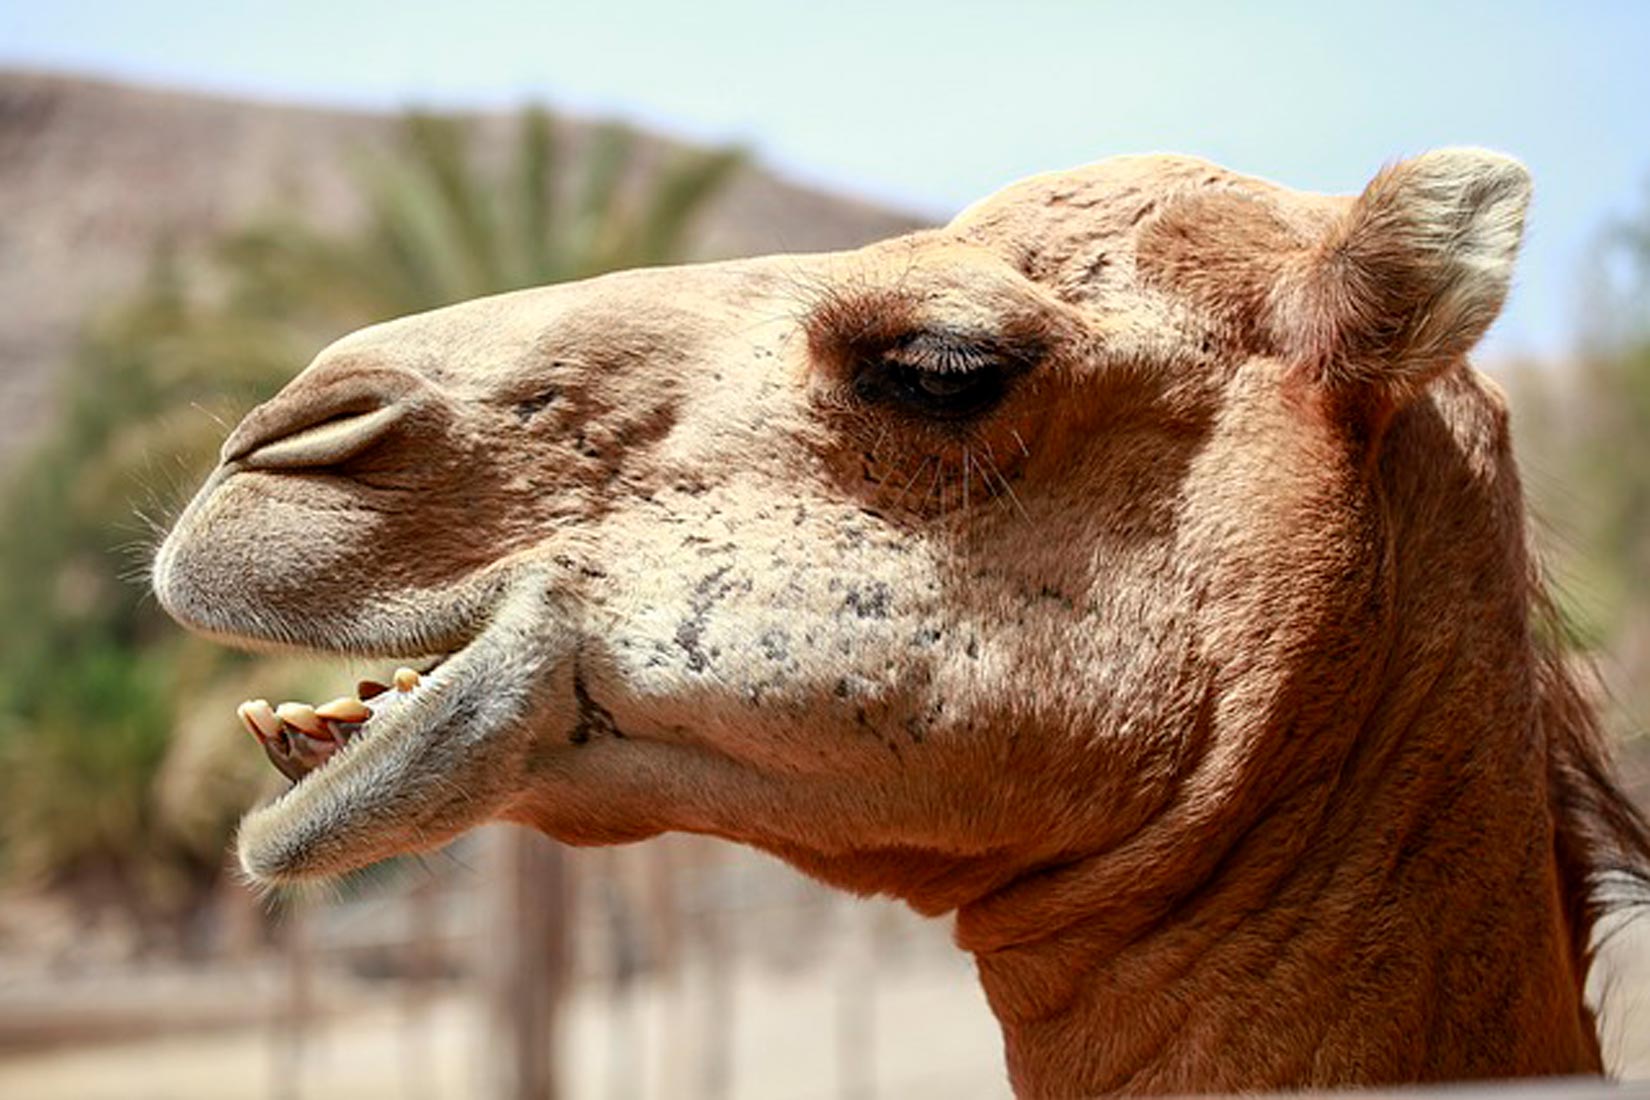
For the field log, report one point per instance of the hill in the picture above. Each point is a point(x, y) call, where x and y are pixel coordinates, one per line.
point(94, 175)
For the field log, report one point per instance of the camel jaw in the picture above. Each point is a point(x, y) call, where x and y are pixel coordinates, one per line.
point(431, 761)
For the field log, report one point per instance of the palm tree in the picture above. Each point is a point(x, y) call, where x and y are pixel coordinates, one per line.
point(440, 230)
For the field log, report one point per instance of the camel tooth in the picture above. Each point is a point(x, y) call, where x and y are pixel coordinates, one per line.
point(301, 716)
point(243, 712)
point(369, 689)
point(406, 679)
point(344, 709)
point(262, 716)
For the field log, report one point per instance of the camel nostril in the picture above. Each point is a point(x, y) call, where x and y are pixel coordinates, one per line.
point(320, 444)
point(330, 413)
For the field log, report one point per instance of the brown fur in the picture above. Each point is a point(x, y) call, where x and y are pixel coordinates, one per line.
point(1198, 676)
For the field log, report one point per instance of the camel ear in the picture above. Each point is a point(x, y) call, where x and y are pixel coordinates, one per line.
point(1411, 276)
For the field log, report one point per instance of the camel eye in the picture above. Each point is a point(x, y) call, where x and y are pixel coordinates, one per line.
point(943, 395)
point(939, 380)
point(947, 387)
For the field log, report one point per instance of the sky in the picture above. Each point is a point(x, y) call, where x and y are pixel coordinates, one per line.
point(930, 105)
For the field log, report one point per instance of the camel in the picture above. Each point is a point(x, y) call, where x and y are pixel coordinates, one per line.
point(1134, 568)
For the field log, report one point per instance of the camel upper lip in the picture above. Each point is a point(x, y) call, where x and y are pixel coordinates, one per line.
point(378, 623)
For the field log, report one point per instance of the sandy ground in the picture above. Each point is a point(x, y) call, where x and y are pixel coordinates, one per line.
point(910, 1033)
point(932, 1038)
point(847, 1027)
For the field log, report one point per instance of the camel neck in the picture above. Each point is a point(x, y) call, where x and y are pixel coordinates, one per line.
point(1398, 920)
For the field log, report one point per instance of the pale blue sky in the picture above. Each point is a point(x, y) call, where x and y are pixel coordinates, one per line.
point(932, 104)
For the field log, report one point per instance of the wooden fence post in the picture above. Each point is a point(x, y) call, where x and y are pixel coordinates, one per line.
point(526, 956)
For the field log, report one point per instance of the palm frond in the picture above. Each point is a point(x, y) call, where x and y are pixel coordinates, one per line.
point(439, 155)
point(535, 200)
point(660, 233)
point(597, 212)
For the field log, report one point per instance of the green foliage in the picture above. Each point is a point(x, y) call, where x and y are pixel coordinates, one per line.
point(1612, 460)
point(92, 675)
point(87, 668)
point(440, 231)
point(1585, 431)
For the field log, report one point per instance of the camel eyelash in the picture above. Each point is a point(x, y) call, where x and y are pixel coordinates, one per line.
point(943, 352)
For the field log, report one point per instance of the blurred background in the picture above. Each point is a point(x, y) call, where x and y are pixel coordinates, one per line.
point(194, 198)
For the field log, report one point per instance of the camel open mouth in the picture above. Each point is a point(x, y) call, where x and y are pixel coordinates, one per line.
point(405, 765)
point(300, 739)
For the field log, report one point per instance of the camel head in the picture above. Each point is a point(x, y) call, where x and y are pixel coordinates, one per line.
point(929, 566)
